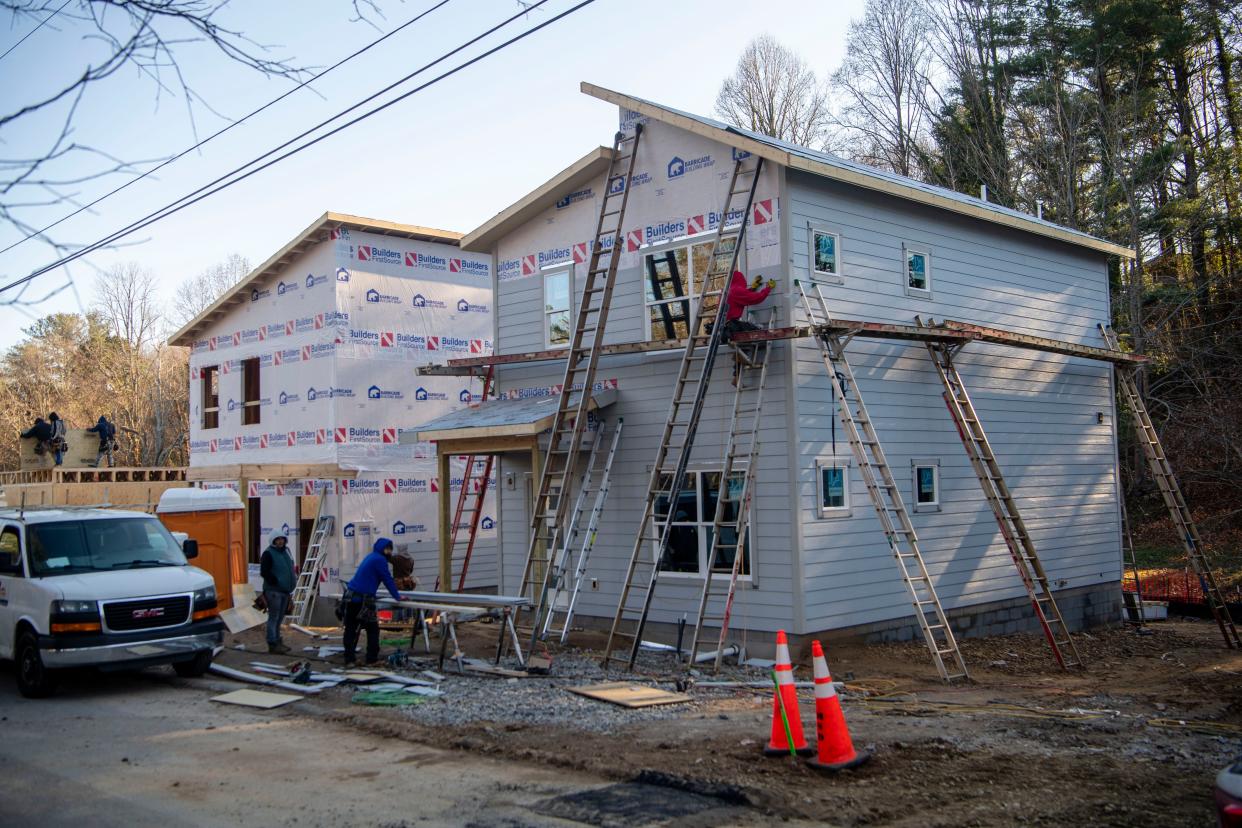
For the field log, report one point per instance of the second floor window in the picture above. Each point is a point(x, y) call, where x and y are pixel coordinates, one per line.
point(250, 390)
point(557, 316)
point(211, 396)
point(672, 279)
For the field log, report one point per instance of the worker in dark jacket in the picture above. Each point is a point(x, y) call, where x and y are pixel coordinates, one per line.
point(359, 600)
point(47, 436)
point(276, 567)
point(107, 440)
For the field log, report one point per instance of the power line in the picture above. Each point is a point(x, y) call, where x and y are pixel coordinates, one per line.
point(230, 126)
point(199, 194)
point(32, 31)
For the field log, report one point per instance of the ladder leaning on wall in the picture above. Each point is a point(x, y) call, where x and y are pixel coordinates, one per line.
point(689, 393)
point(882, 488)
point(550, 511)
point(570, 571)
point(1162, 470)
point(307, 587)
point(1004, 507)
point(473, 492)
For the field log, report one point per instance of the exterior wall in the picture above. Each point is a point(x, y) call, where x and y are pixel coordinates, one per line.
point(1039, 410)
point(339, 333)
point(679, 178)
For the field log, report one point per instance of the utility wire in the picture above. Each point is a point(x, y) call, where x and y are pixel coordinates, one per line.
point(230, 126)
point(32, 31)
point(199, 195)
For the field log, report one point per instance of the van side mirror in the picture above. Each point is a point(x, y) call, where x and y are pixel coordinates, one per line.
point(189, 548)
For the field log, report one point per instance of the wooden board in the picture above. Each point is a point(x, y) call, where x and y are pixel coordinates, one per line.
point(242, 617)
point(629, 695)
point(256, 698)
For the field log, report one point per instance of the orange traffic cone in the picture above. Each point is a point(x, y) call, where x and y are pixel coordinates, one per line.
point(785, 701)
point(836, 749)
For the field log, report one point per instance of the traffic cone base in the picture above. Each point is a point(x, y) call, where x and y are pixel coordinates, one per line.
point(833, 767)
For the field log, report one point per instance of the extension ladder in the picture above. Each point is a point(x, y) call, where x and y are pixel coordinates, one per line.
point(307, 586)
point(1004, 508)
point(550, 512)
point(474, 492)
point(564, 595)
point(1162, 470)
point(731, 523)
point(1132, 601)
point(689, 393)
point(885, 496)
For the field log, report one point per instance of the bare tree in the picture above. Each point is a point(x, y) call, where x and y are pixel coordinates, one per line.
point(196, 294)
point(774, 92)
point(883, 84)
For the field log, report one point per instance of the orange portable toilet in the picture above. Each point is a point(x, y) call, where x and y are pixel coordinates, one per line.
point(214, 518)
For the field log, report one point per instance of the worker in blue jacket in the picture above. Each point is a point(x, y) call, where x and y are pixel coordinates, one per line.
point(359, 600)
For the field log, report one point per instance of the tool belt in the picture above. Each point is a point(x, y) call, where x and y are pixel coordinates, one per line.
point(366, 613)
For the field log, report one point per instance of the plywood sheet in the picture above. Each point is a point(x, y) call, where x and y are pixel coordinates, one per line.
point(256, 698)
point(629, 695)
point(241, 618)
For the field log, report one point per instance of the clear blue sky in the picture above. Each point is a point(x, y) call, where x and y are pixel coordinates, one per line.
point(449, 157)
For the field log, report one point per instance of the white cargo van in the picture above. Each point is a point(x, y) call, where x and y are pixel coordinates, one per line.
point(100, 588)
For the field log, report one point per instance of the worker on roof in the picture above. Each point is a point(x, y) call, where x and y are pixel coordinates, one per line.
point(276, 567)
point(41, 432)
point(741, 297)
point(107, 440)
point(358, 602)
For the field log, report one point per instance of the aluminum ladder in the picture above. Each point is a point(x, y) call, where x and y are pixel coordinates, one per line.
point(731, 521)
point(307, 586)
point(1004, 508)
point(565, 586)
point(1162, 470)
point(473, 492)
point(550, 513)
point(689, 392)
point(1131, 601)
point(885, 495)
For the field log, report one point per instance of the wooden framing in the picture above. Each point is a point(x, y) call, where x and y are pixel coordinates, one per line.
point(113, 475)
point(946, 331)
point(318, 231)
point(857, 177)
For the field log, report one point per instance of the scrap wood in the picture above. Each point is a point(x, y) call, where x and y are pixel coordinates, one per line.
point(242, 618)
point(256, 698)
point(476, 665)
point(241, 675)
point(627, 694)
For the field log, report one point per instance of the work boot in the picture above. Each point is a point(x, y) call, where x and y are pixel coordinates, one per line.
point(278, 649)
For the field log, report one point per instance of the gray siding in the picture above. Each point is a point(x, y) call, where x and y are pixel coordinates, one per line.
point(1040, 410)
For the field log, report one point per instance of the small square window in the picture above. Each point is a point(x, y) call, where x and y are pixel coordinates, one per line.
point(825, 255)
point(926, 483)
point(918, 271)
point(833, 487)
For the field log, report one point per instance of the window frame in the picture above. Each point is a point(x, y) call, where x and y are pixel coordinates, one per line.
point(831, 461)
point(704, 523)
point(917, 463)
point(18, 568)
point(693, 279)
point(568, 273)
point(906, 251)
point(252, 407)
point(820, 275)
point(211, 413)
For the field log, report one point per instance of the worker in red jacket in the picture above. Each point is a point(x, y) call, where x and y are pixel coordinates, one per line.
point(741, 297)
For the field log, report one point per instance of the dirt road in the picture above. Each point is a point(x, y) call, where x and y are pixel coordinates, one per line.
point(149, 749)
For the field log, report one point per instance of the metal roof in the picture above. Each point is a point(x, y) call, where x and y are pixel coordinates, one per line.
point(501, 418)
point(318, 231)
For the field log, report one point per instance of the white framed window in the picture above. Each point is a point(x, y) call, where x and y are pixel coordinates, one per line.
point(916, 269)
point(832, 486)
point(825, 254)
point(690, 534)
point(925, 481)
point(558, 294)
point(672, 277)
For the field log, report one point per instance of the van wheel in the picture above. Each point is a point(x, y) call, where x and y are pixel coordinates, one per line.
point(195, 667)
point(34, 681)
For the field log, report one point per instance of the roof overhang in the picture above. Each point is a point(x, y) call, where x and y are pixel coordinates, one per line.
point(882, 184)
point(320, 230)
point(586, 169)
point(499, 418)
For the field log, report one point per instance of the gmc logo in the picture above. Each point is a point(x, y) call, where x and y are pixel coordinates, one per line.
point(154, 612)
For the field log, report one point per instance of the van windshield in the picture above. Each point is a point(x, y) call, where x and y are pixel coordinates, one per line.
point(72, 546)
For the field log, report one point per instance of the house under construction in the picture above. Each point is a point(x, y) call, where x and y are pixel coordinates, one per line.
point(920, 442)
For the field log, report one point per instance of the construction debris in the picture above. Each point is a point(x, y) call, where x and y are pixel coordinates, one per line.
point(241, 675)
point(256, 698)
point(629, 695)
